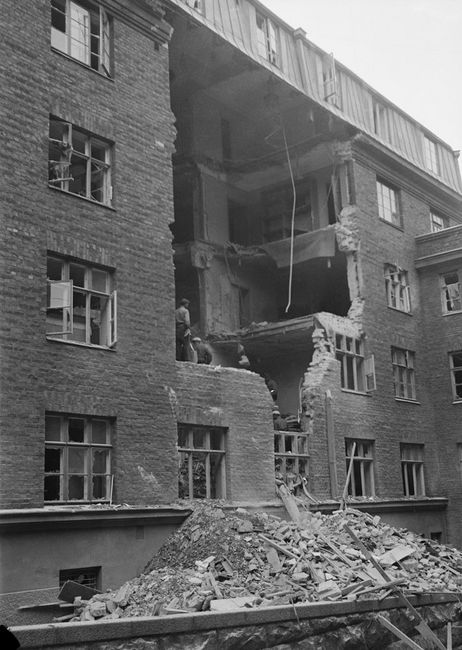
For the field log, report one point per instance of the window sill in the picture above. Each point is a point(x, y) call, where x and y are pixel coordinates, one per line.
point(393, 225)
point(81, 64)
point(457, 401)
point(355, 392)
point(83, 502)
point(406, 400)
point(82, 198)
point(79, 344)
point(400, 311)
point(452, 313)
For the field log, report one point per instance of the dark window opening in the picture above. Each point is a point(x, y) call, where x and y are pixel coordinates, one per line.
point(88, 576)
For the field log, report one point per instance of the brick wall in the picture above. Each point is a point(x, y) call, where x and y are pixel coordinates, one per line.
point(238, 400)
point(132, 238)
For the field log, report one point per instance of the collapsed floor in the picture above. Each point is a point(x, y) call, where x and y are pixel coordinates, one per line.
point(223, 560)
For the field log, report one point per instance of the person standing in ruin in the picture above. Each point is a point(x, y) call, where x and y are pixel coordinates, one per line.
point(183, 331)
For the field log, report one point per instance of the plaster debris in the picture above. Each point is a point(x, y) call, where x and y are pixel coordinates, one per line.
point(259, 560)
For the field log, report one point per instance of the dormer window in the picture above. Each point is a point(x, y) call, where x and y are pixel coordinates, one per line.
point(431, 155)
point(267, 39)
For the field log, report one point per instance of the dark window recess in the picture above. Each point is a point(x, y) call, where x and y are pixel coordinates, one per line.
point(436, 536)
point(88, 576)
point(331, 204)
point(239, 232)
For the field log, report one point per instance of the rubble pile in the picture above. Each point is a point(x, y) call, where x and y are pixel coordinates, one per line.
point(220, 560)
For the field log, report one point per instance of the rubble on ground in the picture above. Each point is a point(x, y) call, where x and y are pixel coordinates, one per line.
point(222, 559)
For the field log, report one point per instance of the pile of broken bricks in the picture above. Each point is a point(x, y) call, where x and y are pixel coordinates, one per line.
point(227, 559)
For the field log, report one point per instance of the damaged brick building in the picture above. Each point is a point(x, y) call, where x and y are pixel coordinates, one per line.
point(317, 232)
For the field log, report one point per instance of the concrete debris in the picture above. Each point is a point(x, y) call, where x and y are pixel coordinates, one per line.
point(221, 559)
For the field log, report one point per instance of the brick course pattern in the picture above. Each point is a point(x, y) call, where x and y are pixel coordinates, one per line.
point(238, 400)
point(132, 238)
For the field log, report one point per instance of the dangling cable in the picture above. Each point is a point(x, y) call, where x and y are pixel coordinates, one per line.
point(292, 229)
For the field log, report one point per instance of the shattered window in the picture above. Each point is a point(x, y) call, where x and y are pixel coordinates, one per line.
point(388, 204)
point(267, 39)
point(78, 162)
point(412, 470)
point(88, 576)
point(397, 288)
point(455, 363)
point(82, 30)
point(201, 462)
point(77, 458)
point(360, 467)
point(291, 459)
point(350, 352)
point(450, 292)
point(403, 373)
point(81, 303)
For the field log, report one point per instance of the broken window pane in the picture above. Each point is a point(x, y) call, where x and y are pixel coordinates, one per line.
point(199, 439)
point(76, 460)
point(76, 488)
point(100, 461)
point(52, 460)
point(201, 474)
point(77, 274)
point(98, 431)
point(52, 488)
point(76, 430)
point(99, 487)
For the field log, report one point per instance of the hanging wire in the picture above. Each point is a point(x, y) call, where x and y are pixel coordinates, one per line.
point(292, 227)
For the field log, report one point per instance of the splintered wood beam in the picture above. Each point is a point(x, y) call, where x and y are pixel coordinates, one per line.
point(397, 632)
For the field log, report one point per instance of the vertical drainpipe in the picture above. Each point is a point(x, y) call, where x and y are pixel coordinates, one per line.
point(331, 446)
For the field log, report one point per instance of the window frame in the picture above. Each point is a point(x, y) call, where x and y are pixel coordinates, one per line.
point(268, 43)
point(291, 456)
point(412, 469)
point(431, 155)
point(403, 367)
point(438, 222)
point(447, 300)
point(454, 370)
point(397, 288)
point(107, 329)
point(186, 461)
point(69, 156)
point(362, 463)
point(388, 203)
point(357, 372)
point(381, 121)
point(97, 28)
point(66, 446)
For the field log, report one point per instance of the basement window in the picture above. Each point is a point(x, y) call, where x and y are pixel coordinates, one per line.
point(438, 222)
point(431, 155)
point(79, 163)
point(291, 458)
point(267, 39)
point(388, 204)
point(81, 303)
point(455, 364)
point(397, 288)
point(356, 372)
point(450, 292)
point(88, 576)
point(403, 373)
point(77, 458)
point(360, 454)
point(201, 462)
point(82, 30)
point(412, 470)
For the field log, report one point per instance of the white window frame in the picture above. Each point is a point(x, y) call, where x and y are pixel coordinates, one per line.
point(456, 374)
point(86, 449)
point(107, 327)
point(66, 158)
point(397, 288)
point(388, 203)
point(451, 296)
point(412, 469)
point(362, 481)
point(87, 33)
point(403, 364)
point(357, 371)
point(267, 38)
point(438, 222)
point(291, 456)
point(188, 465)
point(431, 155)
